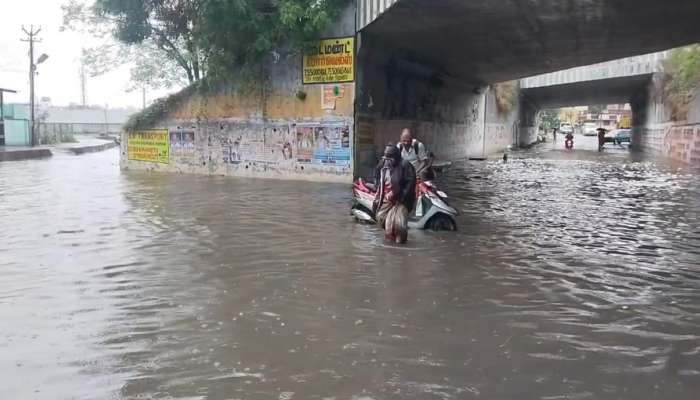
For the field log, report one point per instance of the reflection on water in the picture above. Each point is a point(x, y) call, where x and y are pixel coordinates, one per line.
point(569, 279)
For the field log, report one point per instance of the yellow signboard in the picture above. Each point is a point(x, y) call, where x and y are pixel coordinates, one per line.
point(331, 61)
point(151, 146)
point(625, 122)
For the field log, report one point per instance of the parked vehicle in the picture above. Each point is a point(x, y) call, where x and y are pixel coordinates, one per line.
point(589, 129)
point(431, 212)
point(622, 136)
point(618, 136)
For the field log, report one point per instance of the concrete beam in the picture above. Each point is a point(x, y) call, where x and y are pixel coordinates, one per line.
point(640, 65)
point(489, 41)
point(601, 91)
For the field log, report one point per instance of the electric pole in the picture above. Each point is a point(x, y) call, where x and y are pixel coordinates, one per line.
point(31, 33)
point(83, 85)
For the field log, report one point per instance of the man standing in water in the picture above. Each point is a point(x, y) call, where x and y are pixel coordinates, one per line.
point(396, 194)
point(414, 152)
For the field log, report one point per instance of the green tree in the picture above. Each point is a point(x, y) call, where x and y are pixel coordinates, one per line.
point(238, 33)
point(549, 119)
point(169, 25)
point(132, 27)
point(202, 37)
point(151, 66)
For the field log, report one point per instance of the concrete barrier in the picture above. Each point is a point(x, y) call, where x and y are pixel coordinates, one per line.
point(91, 148)
point(10, 154)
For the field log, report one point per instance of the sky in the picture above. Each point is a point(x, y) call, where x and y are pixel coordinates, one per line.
point(59, 76)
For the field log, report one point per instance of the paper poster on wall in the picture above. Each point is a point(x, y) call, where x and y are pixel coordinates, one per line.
point(332, 145)
point(330, 61)
point(149, 146)
point(182, 143)
point(231, 149)
point(330, 95)
point(365, 131)
point(305, 144)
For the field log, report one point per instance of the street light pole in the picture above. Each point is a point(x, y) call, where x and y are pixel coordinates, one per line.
point(31, 33)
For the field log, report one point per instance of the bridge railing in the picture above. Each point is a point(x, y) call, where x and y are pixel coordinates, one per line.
point(638, 65)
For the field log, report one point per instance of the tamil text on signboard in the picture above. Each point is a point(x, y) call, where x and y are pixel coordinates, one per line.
point(331, 61)
point(151, 146)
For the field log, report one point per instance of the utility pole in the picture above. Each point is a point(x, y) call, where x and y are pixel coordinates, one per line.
point(106, 124)
point(31, 34)
point(83, 85)
point(143, 93)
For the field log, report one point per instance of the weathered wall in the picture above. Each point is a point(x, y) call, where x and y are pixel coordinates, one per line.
point(501, 126)
point(658, 134)
point(263, 129)
point(396, 91)
point(528, 123)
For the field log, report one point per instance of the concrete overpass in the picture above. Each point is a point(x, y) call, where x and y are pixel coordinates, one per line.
point(625, 80)
point(490, 41)
point(427, 64)
point(603, 83)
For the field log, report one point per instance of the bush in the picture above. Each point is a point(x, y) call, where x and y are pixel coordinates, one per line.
point(681, 79)
point(158, 110)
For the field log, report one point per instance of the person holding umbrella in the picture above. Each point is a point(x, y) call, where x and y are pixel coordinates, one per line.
point(601, 138)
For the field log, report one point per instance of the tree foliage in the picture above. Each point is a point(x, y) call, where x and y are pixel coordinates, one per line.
point(238, 33)
point(151, 67)
point(549, 119)
point(681, 79)
point(200, 37)
point(168, 24)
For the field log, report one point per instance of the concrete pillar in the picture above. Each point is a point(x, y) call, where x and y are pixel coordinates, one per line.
point(529, 122)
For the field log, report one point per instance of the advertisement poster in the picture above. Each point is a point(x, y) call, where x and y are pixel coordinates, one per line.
point(149, 145)
point(231, 149)
point(182, 143)
point(332, 145)
point(330, 61)
point(330, 94)
point(305, 144)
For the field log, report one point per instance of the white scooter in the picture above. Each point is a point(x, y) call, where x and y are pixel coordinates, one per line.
point(431, 211)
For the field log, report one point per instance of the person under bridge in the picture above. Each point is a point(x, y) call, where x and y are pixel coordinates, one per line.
point(413, 151)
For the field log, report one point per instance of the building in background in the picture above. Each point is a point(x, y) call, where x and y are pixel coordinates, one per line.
point(609, 117)
point(16, 125)
point(59, 123)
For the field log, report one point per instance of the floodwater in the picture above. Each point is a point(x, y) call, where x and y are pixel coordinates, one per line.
point(573, 276)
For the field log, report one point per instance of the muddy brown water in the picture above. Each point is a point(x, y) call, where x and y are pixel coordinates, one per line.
point(573, 276)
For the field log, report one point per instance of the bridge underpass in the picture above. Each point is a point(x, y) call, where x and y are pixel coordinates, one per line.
point(427, 64)
point(618, 90)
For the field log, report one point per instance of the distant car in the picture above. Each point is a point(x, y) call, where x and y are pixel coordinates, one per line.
point(618, 136)
point(589, 129)
point(622, 136)
point(566, 128)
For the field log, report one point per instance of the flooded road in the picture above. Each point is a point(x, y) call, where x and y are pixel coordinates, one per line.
point(573, 276)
